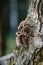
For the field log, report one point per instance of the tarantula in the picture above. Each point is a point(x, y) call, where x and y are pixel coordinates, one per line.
point(24, 32)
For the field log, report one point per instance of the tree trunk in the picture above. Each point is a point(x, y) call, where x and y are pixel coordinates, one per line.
point(29, 38)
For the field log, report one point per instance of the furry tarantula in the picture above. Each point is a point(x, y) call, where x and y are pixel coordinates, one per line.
point(24, 32)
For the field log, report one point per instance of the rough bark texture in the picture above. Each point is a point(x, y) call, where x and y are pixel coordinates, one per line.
point(29, 38)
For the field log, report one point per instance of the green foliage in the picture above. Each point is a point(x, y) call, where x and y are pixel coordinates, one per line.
point(10, 43)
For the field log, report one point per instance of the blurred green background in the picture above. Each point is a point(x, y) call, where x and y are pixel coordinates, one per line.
point(12, 12)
